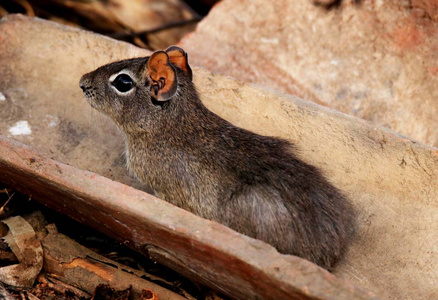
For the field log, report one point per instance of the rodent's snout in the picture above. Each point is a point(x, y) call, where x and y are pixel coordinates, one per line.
point(82, 86)
point(87, 87)
point(85, 84)
point(82, 83)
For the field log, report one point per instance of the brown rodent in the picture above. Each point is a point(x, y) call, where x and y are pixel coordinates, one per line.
point(198, 161)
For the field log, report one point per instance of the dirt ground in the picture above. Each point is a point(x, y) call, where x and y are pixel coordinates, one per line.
point(390, 179)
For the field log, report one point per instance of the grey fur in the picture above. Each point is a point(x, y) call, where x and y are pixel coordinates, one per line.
point(198, 161)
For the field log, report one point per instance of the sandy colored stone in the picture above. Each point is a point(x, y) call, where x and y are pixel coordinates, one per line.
point(205, 251)
point(377, 60)
point(390, 179)
point(40, 84)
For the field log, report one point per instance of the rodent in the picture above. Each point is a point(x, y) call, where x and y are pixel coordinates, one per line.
point(200, 162)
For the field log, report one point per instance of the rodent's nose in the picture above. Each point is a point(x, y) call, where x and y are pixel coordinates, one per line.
point(84, 83)
point(82, 86)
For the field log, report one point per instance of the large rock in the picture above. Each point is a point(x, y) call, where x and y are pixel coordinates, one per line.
point(391, 180)
point(377, 60)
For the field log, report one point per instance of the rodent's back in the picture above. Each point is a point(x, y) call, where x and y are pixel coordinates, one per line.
point(290, 205)
point(288, 202)
point(254, 184)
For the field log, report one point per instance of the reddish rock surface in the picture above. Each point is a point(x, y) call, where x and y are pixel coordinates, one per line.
point(429, 7)
point(377, 60)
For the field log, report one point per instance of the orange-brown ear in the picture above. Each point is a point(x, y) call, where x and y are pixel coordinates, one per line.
point(178, 57)
point(162, 74)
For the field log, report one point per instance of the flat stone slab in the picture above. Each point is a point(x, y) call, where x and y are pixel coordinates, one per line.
point(391, 180)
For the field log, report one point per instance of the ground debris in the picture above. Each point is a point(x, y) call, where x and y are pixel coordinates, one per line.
point(105, 292)
point(23, 242)
point(72, 271)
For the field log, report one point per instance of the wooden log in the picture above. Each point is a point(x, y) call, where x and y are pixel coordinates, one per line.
point(76, 265)
point(231, 263)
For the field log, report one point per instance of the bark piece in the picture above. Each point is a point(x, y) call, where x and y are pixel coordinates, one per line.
point(85, 269)
point(105, 292)
point(4, 293)
point(148, 295)
point(27, 248)
point(62, 287)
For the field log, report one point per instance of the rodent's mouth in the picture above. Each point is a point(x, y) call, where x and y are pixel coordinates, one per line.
point(91, 98)
point(91, 101)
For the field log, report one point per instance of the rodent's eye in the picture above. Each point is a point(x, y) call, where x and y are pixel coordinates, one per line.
point(123, 83)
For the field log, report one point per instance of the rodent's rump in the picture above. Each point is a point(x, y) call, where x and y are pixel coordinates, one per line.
point(192, 158)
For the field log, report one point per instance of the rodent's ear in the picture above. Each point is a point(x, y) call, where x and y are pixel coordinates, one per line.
point(178, 57)
point(162, 74)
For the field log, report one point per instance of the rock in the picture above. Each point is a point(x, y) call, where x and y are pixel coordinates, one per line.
point(236, 265)
point(390, 179)
point(40, 84)
point(143, 22)
point(326, 3)
point(429, 8)
point(137, 16)
point(375, 59)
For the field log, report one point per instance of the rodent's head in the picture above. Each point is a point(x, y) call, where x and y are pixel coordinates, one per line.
point(133, 90)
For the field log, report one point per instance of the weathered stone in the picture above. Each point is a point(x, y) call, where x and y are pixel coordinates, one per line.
point(377, 60)
point(391, 180)
point(236, 265)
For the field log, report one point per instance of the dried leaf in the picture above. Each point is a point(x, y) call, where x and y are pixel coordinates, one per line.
point(23, 242)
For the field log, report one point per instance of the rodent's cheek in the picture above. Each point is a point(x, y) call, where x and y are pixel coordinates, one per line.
point(94, 100)
point(116, 104)
point(92, 103)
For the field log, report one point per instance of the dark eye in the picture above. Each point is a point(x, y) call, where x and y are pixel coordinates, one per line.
point(123, 83)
